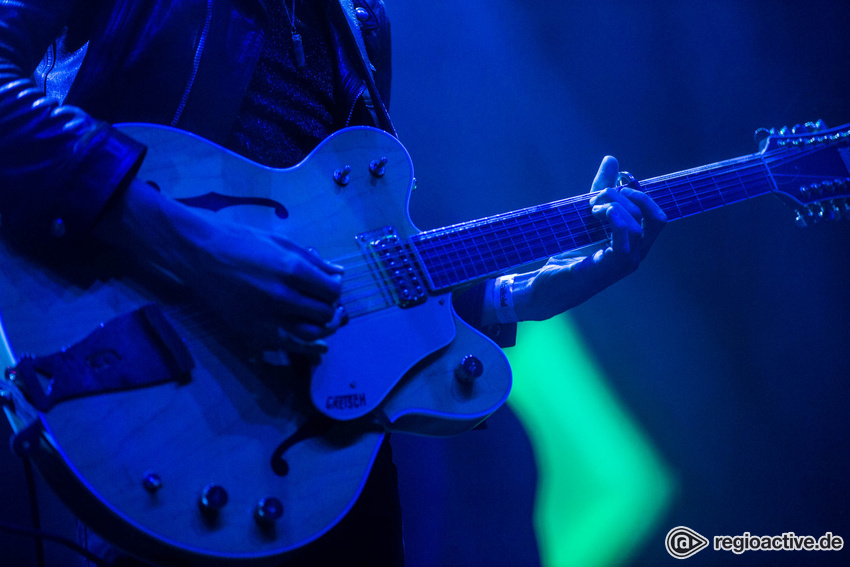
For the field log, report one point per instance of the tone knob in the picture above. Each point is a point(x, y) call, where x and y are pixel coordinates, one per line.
point(213, 499)
point(469, 369)
point(152, 482)
point(269, 510)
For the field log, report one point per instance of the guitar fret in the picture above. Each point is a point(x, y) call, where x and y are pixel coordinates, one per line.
point(485, 248)
point(709, 188)
point(584, 232)
point(471, 251)
point(676, 204)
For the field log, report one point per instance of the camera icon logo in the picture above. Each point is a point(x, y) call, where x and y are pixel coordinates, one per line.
point(683, 542)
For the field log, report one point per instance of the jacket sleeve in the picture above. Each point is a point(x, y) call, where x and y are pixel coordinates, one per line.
point(58, 165)
point(469, 304)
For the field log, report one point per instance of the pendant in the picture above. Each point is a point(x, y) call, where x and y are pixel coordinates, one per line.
point(298, 48)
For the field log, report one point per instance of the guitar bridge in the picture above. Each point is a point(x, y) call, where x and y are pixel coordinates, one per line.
point(395, 266)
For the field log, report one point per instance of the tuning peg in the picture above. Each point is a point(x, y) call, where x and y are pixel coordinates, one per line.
point(761, 135)
point(815, 212)
point(809, 127)
point(817, 126)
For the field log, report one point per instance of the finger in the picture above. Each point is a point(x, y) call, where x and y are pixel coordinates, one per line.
point(293, 304)
point(617, 218)
point(310, 254)
point(307, 332)
point(618, 195)
point(309, 278)
point(325, 265)
point(304, 332)
point(293, 343)
point(654, 218)
point(609, 169)
point(625, 229)
point(340, 318)
point(649, 209)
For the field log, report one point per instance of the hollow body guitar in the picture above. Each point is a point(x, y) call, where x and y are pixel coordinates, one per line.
point(299, 436)
point(245, 461)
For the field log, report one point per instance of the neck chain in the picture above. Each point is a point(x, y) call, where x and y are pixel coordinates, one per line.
point(297, 45)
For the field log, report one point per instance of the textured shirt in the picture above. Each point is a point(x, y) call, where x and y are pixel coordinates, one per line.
point(287, 111)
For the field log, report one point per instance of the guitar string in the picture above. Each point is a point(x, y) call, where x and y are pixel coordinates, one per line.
point(681, 194)
point(449, 261)
point(559, 206)
point(593, 233)
point(684, 178)
point(580, 199)
point(687, 185)
point(668, 188)
point(195, 317)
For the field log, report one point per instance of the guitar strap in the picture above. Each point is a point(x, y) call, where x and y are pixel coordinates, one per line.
point(343, 15)
point(131, 351)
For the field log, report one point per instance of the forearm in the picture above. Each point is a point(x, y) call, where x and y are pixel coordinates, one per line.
point(157, 230)
point(557, 287)
point(532, 296)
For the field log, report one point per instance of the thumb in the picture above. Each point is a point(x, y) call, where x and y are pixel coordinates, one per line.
point(607, 174)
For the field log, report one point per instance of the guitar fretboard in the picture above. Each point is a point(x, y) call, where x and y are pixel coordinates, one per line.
point(483, 248)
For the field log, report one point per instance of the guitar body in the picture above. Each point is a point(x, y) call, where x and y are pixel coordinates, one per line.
point(306, 435)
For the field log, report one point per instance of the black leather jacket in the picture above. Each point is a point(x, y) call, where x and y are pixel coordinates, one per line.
point(186, 64)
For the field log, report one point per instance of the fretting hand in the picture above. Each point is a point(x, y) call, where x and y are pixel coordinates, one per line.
point(634, 221)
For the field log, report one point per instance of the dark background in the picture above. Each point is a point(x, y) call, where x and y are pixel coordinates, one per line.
point(729, 346)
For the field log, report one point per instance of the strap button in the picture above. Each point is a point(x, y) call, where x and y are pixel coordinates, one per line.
point(362, 14)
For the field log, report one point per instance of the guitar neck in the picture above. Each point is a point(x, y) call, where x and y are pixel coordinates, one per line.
point(479, 249)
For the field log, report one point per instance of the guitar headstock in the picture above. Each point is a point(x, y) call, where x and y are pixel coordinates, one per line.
point(810, 168)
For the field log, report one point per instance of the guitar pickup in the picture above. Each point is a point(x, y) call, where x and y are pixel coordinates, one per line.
point(395, 266)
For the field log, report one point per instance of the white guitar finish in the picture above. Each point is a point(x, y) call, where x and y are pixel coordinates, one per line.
point(226, 424)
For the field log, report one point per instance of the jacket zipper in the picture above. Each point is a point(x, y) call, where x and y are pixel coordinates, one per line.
point(354, 106)
point(196, 63)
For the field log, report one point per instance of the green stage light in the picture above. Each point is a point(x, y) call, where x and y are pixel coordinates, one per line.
point(601, 487)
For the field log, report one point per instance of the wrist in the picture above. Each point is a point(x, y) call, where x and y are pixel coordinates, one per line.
point(502, 299)
point(506, 299)
point(154, 229)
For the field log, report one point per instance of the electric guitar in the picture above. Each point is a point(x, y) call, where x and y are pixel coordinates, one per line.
point(228, 457)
